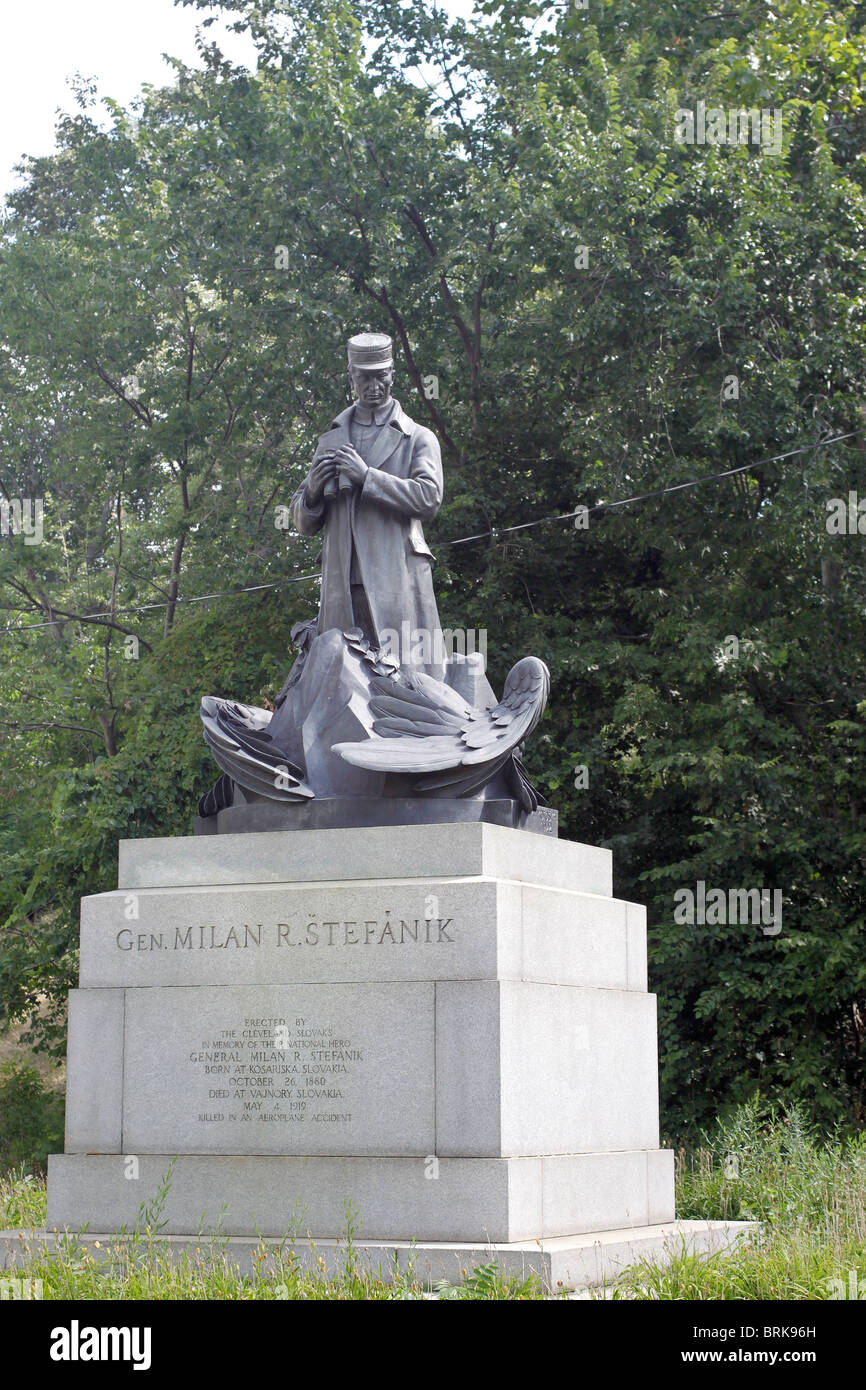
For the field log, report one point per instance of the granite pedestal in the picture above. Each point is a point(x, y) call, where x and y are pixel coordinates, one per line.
point(447, 1026)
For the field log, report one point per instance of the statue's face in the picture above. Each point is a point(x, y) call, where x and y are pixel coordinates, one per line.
point(372, 388)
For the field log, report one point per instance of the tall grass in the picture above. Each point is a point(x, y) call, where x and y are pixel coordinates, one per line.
point(140, 1264)
point(805, 1192)
point(22, 1200)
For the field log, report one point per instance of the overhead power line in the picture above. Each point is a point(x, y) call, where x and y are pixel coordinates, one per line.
point(496, 532)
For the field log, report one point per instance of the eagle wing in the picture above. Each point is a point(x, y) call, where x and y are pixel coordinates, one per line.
point(237, 737)
point(423, 727)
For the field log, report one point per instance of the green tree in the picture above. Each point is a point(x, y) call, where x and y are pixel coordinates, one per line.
point(585, 310)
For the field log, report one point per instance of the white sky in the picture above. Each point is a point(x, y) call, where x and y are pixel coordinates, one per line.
point(119, 43)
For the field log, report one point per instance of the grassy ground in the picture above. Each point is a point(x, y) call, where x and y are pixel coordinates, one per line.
point(31, 1103)
point(807, 1193)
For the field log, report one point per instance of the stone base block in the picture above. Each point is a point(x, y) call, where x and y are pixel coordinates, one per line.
point(447, 1026)
point(334, 813)
point(581, 1262)
point(429, 1199)
point(460, 1069)
point(377, 852)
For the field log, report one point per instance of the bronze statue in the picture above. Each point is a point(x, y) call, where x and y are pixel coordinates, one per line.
point(366, 731)
point(375, 477)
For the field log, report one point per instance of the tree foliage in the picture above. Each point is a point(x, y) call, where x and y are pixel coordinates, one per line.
point(175, 296)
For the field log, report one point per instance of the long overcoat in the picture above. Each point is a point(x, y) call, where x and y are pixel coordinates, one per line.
point(402, 488)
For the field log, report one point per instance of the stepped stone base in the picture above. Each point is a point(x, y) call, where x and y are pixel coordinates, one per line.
point(446, 1026)
point(561, 1263)
point(252, 815)
point(432, 1199)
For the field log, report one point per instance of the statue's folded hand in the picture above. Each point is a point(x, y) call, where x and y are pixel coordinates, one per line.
point(320, 474)
point(350, 466)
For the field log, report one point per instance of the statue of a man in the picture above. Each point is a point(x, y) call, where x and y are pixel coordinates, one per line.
point(375, 477)
point(349, 725)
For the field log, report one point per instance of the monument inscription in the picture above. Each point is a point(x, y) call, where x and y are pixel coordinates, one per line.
point(276, 1071)
point(291, 933)
point(301, 1069)
point(370, 932)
